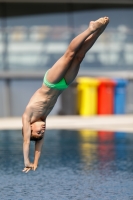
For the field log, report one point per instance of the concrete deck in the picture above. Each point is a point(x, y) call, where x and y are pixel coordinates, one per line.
point(122, 123)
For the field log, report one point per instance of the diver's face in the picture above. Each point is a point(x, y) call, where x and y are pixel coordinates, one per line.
point(38, 129)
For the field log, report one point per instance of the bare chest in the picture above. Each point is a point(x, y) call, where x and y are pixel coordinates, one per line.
point(41, 104)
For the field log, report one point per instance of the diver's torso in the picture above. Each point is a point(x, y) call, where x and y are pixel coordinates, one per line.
point(41, 103)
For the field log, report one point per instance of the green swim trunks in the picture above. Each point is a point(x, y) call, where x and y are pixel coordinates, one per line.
point(60, 85)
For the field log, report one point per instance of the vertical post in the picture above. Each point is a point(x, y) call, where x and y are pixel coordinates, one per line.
point(6, 106)
point(70, 20)
point(7, 99)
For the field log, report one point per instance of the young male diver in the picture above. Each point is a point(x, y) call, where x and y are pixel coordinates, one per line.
point(56, 79)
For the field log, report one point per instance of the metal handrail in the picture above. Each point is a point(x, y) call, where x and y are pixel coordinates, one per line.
point(39, 74)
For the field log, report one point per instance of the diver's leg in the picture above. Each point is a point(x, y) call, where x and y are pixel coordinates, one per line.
point(59, 69)
point(88, 43)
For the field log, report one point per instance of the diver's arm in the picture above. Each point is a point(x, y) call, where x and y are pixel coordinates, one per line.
point(26, 139)
point(38, 148)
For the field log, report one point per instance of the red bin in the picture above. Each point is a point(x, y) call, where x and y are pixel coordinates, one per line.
point(106, 96)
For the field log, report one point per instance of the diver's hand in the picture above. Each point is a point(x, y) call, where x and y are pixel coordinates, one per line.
point(28, 167)
point(34, 167)
point(31, 166)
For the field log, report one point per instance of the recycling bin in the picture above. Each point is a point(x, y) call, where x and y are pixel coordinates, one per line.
point(87, 96)
point(120, 96)
point(68, 100)
point(106, 96)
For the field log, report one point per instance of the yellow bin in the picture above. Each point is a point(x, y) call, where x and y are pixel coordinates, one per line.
point(87, 96)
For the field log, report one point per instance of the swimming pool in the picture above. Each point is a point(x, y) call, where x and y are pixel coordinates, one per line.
point(76, 165)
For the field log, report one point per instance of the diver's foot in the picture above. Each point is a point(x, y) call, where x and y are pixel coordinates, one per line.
point(101, 23)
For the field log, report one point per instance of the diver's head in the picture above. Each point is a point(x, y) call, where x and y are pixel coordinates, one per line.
point(37, 130)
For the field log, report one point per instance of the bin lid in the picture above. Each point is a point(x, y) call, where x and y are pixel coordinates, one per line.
point(121, 81)
point(88, 81)
point(106, 81)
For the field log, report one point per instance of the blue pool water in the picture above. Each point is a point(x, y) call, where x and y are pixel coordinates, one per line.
point(75, 165)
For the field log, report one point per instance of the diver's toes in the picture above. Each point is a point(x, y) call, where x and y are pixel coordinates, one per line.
point(106, 19)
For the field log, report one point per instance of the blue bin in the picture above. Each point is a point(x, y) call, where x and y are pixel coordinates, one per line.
point(120, 96)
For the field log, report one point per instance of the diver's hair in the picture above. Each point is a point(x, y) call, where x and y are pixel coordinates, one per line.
point(34, 139)
point(31, 137)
